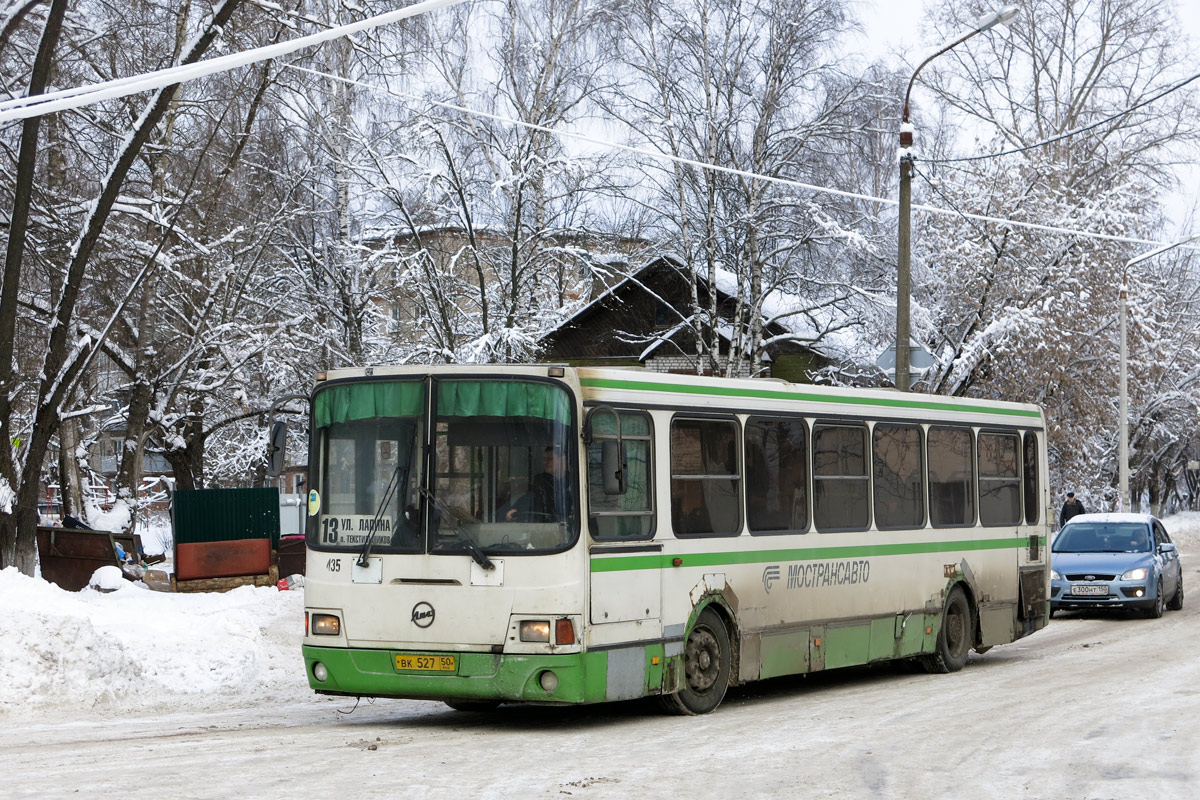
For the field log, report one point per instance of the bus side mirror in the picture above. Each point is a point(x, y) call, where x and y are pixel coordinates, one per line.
point(277, 448)
point(613, 466)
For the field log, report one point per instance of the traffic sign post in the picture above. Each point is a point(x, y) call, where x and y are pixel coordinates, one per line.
point(919, 360)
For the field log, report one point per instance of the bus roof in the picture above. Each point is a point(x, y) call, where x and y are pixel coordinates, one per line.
point(751, 394)
point(638, 386)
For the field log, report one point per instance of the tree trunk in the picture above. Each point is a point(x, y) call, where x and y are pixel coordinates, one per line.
point(17, 549)
point(129, 470)
point(70, 482)
point(61, 364)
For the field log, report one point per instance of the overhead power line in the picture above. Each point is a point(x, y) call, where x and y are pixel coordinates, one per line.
point(658, 155)
point(34, 105)
point(1074, 132)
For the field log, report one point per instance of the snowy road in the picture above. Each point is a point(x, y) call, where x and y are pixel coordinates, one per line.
point(1091, 707)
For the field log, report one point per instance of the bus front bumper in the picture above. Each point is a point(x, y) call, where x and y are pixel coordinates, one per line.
point(553, 679)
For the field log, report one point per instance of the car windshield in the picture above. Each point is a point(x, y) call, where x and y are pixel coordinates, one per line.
point(1103, 537)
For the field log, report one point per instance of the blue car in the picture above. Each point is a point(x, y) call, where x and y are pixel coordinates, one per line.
point(1115, 561)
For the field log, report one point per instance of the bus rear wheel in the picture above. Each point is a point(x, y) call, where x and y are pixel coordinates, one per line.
point(955, 635)
point(707, 657)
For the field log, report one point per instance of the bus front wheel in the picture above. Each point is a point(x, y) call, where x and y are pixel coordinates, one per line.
point(955, 635)
point(707, 656)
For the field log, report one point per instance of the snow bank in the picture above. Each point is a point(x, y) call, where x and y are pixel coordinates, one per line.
point(1184, 530)
point(134, 647)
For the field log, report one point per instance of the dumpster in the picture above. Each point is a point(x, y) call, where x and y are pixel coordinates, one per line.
point(291, 555)
point(68, 557)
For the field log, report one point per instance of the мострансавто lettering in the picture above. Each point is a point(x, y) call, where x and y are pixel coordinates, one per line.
point(828, 573)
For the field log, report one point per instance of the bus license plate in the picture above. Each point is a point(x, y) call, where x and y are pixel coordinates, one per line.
point(413, 662)
point(1089, 588)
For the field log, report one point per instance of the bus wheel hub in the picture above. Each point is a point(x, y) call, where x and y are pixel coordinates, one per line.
point(702, 660)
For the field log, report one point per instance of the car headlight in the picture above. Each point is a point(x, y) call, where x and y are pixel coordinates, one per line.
point(1054, 576)
point(1138, 574)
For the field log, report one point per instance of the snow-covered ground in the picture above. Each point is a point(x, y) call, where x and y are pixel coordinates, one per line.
point(1077, 710)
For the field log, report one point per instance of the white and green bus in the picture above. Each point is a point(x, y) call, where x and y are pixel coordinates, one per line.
point(559, 535)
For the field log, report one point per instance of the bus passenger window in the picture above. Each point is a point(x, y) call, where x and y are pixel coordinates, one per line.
point(951, 477)
point(705, 483)
point(1032, 504)
point(999, 479)
point(840, 480)
point(898, 477)
point(629, 515)
point(776, 475)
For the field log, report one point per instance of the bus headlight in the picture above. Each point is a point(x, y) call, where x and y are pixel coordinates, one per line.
point(548, 681)
point(535, 630)
point(326, 625)
point(320, 672)
point(1138, 574)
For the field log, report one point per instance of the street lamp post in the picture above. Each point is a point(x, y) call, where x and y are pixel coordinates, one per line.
point(903, 245)
point(1123, 499)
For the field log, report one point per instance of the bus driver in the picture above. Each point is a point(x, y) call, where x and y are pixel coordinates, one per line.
point(543, 502)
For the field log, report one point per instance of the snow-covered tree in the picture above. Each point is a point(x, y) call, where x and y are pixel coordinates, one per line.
point(1031, 314)
point(754, 86)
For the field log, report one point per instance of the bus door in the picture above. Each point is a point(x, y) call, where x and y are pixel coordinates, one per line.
point(626, 581)
point(1006, 469)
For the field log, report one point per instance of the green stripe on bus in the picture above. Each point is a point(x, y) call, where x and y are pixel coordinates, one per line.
point(623, 563)
point(775, 394)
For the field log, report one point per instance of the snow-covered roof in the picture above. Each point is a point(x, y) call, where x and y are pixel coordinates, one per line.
point(831, 327)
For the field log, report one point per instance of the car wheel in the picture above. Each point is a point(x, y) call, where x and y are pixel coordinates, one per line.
point(1176, 602)
point(1156, 610)
point(954, 637)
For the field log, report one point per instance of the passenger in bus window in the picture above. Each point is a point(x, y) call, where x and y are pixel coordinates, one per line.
point(546, 496)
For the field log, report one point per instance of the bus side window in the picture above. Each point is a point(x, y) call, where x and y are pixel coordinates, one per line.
point(1030, 480)
point(705, 481)
point(776, 475)
point(951, 477)
point(840, 478)
point(999, 479)
point(898, 476)
point(629, 515)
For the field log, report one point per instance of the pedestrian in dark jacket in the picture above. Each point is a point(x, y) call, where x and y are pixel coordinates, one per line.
point(1070, 509)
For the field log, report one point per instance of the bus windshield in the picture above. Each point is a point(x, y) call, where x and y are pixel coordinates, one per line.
point(500, 477)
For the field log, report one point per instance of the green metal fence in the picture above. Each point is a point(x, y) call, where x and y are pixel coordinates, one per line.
point(222, 515)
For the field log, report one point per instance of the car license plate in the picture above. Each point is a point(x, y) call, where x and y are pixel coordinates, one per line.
point(414, 662)
point(1089, 588)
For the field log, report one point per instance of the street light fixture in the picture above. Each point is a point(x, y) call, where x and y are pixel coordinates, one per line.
point(1123, 499)
point(987, 22)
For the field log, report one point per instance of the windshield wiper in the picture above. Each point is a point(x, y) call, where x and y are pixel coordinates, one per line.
point(473, 549)
point(388, 493)
point(480, 557)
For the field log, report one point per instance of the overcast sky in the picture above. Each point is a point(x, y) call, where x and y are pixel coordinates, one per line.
point(894, 26)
